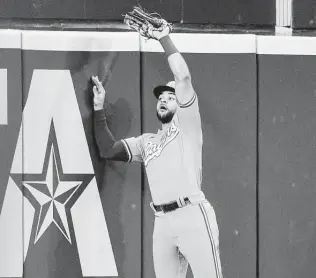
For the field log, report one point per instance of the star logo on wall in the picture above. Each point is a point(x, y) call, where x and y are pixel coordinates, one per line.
point(52, 192)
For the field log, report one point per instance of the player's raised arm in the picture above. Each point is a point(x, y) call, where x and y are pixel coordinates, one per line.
point(178, 66)
point(109, 148)
point(155, 27)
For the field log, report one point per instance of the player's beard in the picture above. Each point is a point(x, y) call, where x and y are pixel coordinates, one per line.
point(166, 117)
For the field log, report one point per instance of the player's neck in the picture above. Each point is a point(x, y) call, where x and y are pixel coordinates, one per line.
point(165, 126)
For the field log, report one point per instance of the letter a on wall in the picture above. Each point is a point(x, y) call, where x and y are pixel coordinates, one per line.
point(56, 187)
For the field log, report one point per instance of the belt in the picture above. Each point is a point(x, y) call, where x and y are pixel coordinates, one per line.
point(172, 206)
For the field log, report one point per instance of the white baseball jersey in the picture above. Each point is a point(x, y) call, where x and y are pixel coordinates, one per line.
point(173, 161)
point(172, 156)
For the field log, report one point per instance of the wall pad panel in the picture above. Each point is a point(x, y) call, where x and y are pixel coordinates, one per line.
point(287, 81)
point(223, 70)
point(11, 198)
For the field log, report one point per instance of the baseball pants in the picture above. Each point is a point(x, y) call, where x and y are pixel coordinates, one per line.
point(187, 235)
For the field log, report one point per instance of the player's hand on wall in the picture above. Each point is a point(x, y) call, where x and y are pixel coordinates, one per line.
point(99, 93)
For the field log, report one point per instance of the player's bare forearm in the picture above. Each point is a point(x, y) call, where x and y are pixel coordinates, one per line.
point(176, 61)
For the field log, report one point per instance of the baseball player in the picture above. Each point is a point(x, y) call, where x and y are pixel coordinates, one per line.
point(185, 222)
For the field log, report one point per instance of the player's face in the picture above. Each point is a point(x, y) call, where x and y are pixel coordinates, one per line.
point(166, 107)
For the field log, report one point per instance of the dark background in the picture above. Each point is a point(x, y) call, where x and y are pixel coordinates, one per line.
point(201, 11)
point(304, 14)
point(200, 15)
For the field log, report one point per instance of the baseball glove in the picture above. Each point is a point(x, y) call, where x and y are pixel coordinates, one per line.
point(145, 23)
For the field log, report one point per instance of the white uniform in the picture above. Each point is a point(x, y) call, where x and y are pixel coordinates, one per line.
point(173, 161)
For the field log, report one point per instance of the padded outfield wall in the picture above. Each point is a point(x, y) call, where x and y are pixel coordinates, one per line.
point(257, 108)
point(287, 141)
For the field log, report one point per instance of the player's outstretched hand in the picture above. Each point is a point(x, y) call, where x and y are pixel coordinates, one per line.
point(149, 25)
point(99, 93)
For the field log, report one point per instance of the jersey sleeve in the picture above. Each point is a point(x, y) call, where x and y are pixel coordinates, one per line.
point(188, 115)
point(133, 147)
